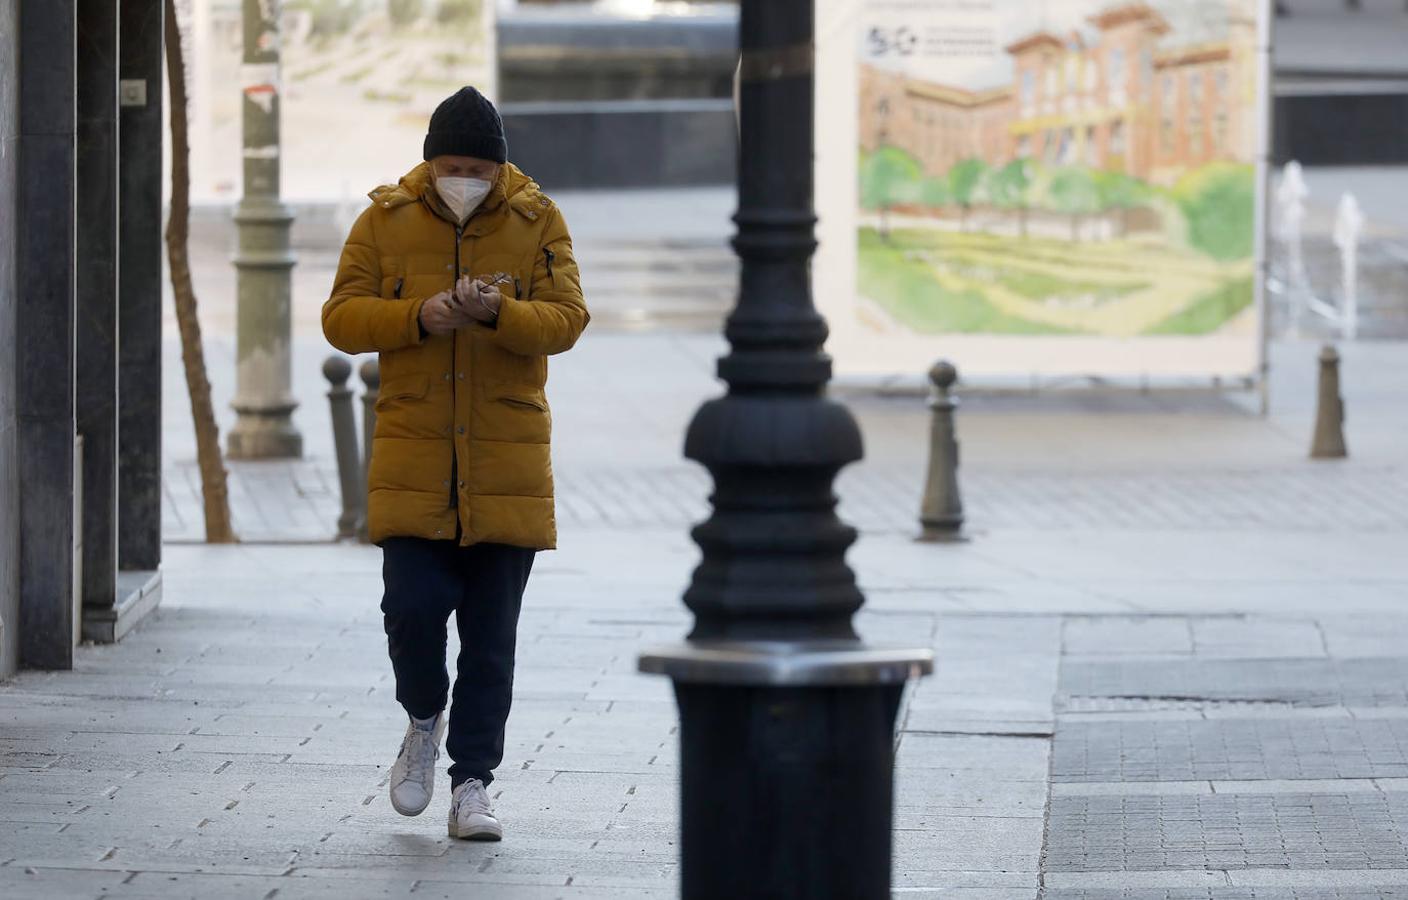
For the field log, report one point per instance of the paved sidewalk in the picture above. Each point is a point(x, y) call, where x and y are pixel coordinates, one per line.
point(1171, 661)
point(1170, 666)
point(1172, 709)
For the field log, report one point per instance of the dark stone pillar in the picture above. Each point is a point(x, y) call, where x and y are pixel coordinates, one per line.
point(44, 325)
point(9, 474)
point(139, 286)
point(96, 321)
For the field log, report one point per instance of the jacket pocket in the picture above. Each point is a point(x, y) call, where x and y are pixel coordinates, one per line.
point(401, 389)
point(525, 400)
point(518, 414)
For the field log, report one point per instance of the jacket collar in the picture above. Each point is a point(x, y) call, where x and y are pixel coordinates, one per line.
point(418, 186)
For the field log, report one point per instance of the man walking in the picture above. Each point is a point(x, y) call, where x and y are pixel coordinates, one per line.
point(462, 278)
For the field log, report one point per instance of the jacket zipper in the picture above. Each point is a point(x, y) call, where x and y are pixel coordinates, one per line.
point(454, 389)
point(551, 257)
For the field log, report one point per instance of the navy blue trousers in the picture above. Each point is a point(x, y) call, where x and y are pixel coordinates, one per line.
point(482, 587)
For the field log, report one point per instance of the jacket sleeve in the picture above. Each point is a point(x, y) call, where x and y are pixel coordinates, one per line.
point(555, 316)
point(356, 318)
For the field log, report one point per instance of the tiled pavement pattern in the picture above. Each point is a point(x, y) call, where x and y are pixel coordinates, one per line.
point(1223, 832)
point(299, 501)
point(1228, 757)
point(1300, 682)
point(237, 744)
point(1233, 893)
point(240, 741)
point(1230, 749)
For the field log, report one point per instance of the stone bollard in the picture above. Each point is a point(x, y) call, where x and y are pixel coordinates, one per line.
point(1328, 442)
point(941, 513)
point(371, 377)
point(338, 370)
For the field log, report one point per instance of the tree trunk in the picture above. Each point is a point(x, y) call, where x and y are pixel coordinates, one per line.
point(212, 467)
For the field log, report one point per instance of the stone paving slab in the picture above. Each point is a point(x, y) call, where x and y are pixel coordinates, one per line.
point(1232, 893)
point(1230, 749)
point(1300, 682)
point(1359, 831)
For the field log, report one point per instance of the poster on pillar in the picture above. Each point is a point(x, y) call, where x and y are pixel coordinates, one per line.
point(1042, 188)
point(357, 81)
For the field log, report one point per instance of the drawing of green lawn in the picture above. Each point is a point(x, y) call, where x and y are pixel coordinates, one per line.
point(907, 288)
point(933, 281)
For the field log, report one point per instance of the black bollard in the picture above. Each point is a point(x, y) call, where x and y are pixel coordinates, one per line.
point(337, 371)
point(786, 717)
point(941, 512)
point(1328, 442)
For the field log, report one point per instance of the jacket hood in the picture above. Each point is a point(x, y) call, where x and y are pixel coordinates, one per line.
point(418, 185)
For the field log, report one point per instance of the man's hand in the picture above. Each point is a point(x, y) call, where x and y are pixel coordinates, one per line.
point(477, 299)
point(442, 315)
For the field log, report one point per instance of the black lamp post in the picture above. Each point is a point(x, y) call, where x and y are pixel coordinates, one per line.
point(787, 718)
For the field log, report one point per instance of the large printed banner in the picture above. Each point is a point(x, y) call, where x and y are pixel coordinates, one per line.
point(1042, 187)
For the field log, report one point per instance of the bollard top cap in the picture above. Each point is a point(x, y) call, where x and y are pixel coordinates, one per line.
point(371, 373)
point(337, 370)
point(1328, 354)
point(943, 374)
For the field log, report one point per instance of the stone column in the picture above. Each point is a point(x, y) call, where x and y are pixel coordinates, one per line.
point(141, 131)
point(263, 395)
point(9, 231)
point(141, 68)
point(44, 325)
point(96, 322)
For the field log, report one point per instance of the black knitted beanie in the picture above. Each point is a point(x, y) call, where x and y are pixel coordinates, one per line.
point(467, 124)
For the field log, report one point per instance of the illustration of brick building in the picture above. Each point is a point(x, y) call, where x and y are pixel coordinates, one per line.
point(1115, 99)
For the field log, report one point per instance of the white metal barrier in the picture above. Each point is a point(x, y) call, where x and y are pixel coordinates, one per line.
point(1288, 277)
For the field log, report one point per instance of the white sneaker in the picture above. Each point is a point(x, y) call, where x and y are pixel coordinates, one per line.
point(471, 816)
point(413, 774)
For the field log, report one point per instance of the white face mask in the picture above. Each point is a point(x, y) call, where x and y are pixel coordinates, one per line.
point(462, 195)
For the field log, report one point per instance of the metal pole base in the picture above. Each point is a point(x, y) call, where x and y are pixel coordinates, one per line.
point(786, 793)
point(786, 765)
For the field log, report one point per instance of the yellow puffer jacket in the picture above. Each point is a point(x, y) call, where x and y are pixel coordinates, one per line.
point(463, 426)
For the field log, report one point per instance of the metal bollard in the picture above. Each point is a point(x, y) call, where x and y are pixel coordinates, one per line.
point(371, 377)
point(337, 371)
point(941, 513)
point(1328, 442)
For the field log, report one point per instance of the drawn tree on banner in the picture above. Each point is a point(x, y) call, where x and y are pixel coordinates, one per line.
point(1010, 187)
point(964, 182)
point(889, 177)
point(1073, 193)
point(1122, 192)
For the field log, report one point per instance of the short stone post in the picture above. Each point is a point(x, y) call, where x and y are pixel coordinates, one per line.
point(371, 377)
point(1328, 442)
point(941, 513)
point(338, 370)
